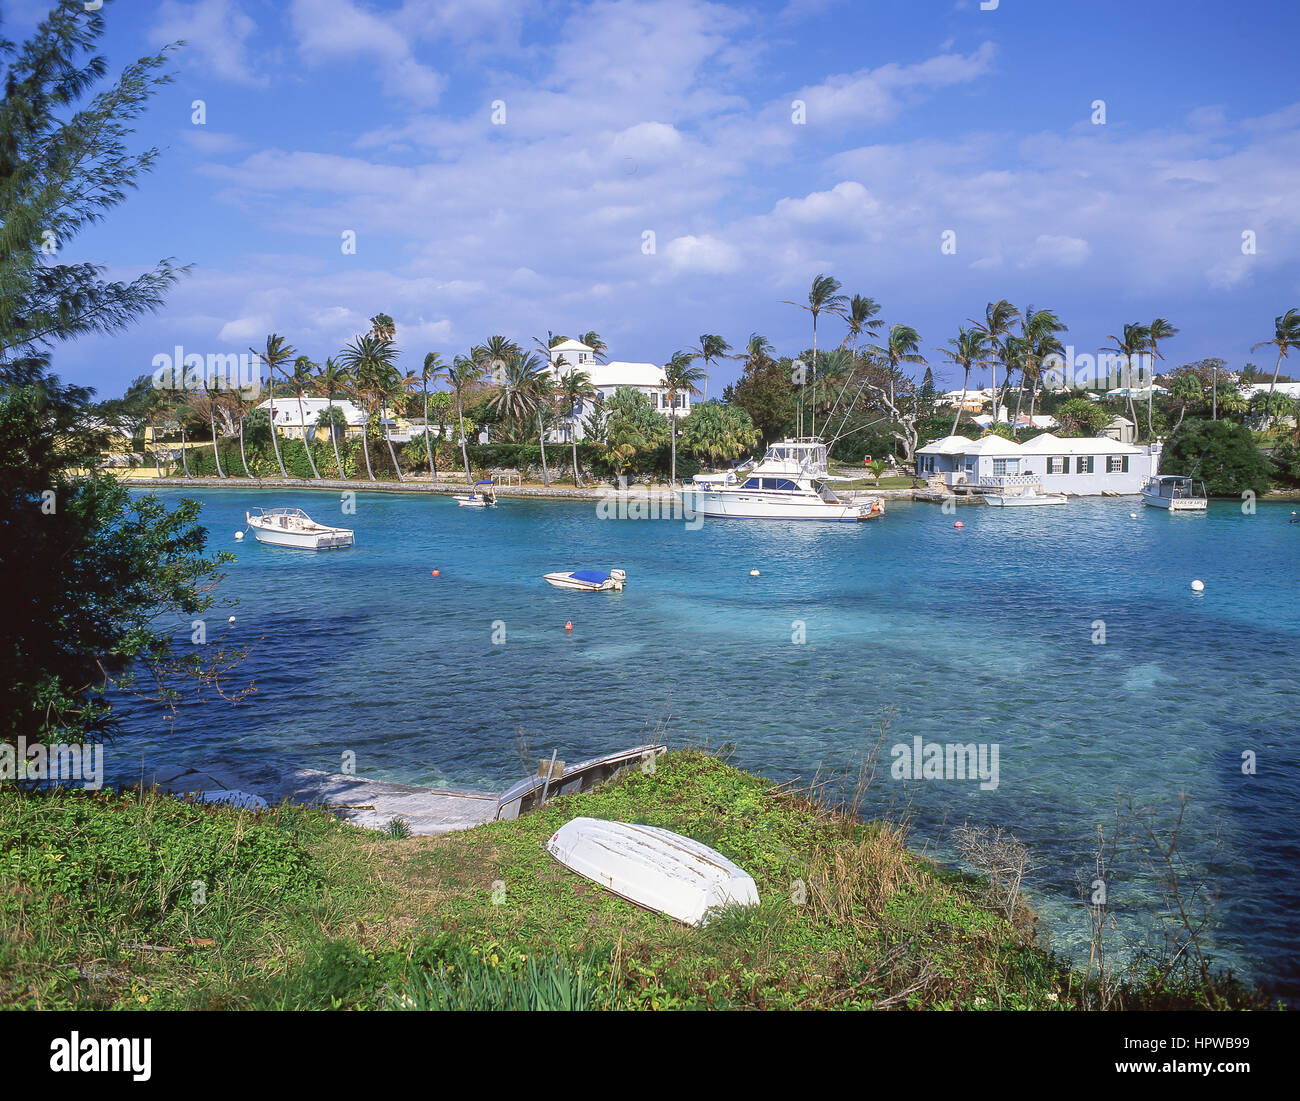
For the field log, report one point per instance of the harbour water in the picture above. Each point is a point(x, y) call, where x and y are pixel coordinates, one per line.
point(989, 634)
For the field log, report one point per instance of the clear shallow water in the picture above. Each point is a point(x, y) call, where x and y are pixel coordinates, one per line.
point(983, 635)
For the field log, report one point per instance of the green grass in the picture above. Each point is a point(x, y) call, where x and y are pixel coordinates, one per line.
point(98, 908)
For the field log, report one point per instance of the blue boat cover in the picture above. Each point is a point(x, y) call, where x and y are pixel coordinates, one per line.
point(596, 577)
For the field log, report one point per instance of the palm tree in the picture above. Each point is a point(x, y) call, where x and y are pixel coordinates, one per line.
point(903, 345)
point(758, 348)
point(821, 296)
point(525, 389)
point(861, 315)
point(463, 374)
point(181, 399)
point(383, 326)
point(1286, 335)
point(432, 371)
point(712, 348)
point(243, 405)
point(996, 326)
point(304, 371)
point(333, 379)
point(967, 350)
point(1136, 340)
point(369, 359)
point(1039, 340)
point(598, 347)
point(496, 350)
point(1159, 330)
point(575, 388)
point(680, 377)
point(211, 403)
point(278, 353)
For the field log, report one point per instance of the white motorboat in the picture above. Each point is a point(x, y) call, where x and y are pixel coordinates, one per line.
point(291, 527)
point(652, 867)
point(483, 498)
point(591, 581)
point(1175, 493)
point(1020, 496)
point(789, 483)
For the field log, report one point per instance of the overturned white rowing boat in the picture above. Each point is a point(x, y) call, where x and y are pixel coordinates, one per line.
point(592, 581)
point(291, 527)
point(556, 778)
point(652, 867)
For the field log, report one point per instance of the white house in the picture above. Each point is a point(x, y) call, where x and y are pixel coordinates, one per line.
point(1087, 466)
point(1120, 428)
point(607, 378)
point(289, 422)
point(1290, 389)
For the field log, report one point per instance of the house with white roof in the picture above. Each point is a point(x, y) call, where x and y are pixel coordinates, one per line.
point(289, 422)
point(608, 378)
point(1089, 466)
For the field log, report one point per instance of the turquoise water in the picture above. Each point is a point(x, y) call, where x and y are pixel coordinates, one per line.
point(983, 634)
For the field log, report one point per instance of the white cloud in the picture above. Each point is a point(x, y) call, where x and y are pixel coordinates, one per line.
point(701, 254)
point(330, 30)
point(216, 33)
point(1057, 250)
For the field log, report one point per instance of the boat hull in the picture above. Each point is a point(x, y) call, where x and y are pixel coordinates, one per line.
point(1176, 504)
point(652, 867)
point(738, 505)
point(1004, 501)
point(528, 793)
point(295, 540)
point(578, 584)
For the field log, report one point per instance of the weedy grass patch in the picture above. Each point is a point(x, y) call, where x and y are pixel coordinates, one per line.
point(100, 907)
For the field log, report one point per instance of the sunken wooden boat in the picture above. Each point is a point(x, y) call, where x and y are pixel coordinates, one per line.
point(653, 867)
point(557, 778)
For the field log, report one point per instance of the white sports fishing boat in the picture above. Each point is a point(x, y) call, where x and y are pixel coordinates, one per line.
point(653, 867)
point(788, 484)
point(1176, 493)
point(291, 527)
point(591, 581)
point(477, 497)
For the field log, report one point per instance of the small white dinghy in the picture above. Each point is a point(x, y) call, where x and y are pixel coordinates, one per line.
point(591, 581)
point(291, 527)
point(655, 868)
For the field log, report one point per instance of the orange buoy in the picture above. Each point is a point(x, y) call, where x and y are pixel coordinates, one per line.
point(569, 625)
point(433, 573)
point(959, 525)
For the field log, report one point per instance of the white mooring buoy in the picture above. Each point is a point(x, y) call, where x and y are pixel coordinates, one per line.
point(754, 573)
point(1198, 586)
point(239, 535)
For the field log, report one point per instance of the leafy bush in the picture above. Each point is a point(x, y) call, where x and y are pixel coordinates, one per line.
point(1286, 463)
point(1221, 453)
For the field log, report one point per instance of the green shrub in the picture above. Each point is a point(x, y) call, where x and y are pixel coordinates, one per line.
point(1221, 453)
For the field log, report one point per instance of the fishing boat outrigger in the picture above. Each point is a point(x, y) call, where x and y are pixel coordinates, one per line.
point(484, 498)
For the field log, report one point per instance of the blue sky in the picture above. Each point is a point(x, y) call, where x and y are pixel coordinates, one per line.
point(675, 117)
